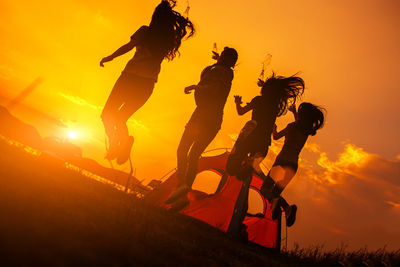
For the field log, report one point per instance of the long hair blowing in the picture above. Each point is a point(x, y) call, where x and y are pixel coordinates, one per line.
point(168, 28)
point(310, 118)
point(284, 91)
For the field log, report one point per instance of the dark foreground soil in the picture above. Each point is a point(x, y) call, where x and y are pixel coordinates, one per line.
point(52, 216)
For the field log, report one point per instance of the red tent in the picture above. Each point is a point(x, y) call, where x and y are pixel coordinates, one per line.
point(223, 208)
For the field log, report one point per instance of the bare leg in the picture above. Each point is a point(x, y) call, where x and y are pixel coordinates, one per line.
point(129, 93)
point(109, 117)
point(186, 142)
point(196, 140)
point(138, 90)
point(282, 175)
point(257, 159)
point(128, 109)
point(235, 159)
point(240, 149)
point(197, 149)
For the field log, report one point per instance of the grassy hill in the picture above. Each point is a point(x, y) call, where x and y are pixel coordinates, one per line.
point(53, 216)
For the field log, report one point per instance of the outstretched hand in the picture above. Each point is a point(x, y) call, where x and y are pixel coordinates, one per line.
point(215, 55)
point(190, 88)
point(238, 99)
point(104, 60)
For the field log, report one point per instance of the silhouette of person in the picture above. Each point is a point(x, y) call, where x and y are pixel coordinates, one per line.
point(210, 96)
point(254, 140)
point(255, 136)
point(308, 120)
point(154, 43)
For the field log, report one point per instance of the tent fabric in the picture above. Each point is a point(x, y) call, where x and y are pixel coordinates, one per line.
point(221, 208)
point(263, 230)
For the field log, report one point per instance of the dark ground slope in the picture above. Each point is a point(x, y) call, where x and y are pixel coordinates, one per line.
point(51, 216)
point(54, 216)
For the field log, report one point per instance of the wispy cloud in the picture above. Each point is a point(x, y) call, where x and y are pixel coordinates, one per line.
point(83, 103)
point(137, 124)
point(353, 199)
point(394, 204)
point(79, 101)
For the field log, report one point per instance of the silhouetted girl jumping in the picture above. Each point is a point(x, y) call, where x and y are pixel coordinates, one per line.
point(308, 120)
point(154, 43)
point(252, 145)
point(210, 95)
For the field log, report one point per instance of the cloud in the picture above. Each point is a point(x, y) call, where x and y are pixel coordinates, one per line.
point(354, 199)
point(83, 103)
point(394, 204)
point(137, 124)
point(80, 101)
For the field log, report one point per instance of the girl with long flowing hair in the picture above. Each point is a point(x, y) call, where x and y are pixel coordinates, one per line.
point(154, 43)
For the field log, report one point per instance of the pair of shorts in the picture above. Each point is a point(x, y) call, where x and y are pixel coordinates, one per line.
point(252, 140)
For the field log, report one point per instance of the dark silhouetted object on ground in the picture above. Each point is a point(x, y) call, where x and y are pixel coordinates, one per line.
point(53, 216)
point(220, 209)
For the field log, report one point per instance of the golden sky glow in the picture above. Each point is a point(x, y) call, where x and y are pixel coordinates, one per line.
point(347, 52)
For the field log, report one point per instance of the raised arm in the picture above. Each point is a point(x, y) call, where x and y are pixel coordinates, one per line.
point(135, 39)
point(277, 135)
point(241, 110)
point(120, 51)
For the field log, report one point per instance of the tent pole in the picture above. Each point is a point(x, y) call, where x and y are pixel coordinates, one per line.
point(278, 242)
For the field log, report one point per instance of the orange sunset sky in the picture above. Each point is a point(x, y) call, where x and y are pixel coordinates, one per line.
point(348, 183)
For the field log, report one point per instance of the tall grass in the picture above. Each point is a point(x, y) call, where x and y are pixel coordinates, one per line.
point(341, 256)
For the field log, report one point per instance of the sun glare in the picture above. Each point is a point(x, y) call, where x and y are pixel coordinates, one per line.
point(72, 134)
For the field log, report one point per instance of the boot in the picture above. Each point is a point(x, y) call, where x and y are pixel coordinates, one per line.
point(179, 204)
point(267, 187)
point(275, 207)
point(177, 193)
